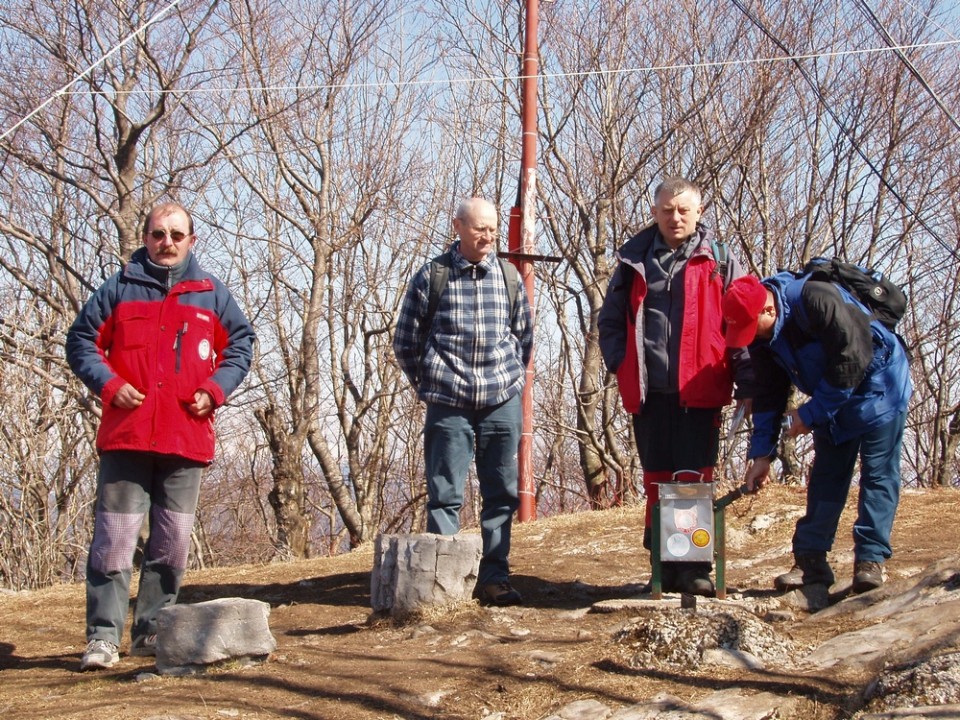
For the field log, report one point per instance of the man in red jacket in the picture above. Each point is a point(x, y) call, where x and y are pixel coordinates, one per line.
point(661, 332)
point(163, 344)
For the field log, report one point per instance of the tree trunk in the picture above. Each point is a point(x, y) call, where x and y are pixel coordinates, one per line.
point(287, 495)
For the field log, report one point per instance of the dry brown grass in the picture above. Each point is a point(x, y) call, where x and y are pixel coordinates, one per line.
point(336, 661)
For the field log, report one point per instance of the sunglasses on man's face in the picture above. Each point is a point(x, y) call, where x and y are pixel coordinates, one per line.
point(175, 235)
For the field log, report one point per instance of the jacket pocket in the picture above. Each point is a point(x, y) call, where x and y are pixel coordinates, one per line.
point(134, 328)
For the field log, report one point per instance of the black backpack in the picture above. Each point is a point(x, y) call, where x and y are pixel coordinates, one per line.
point(878, 294)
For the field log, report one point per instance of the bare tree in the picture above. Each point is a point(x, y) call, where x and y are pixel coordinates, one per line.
point(326, 155)
point(323, 148)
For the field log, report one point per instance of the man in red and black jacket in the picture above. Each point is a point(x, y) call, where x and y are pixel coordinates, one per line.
point(163, 344)
point(661, 332)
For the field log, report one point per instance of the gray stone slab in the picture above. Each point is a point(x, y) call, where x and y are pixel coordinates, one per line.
point(910, 619)
point(204, 633)
point(811, 598)
point(668, 601)
point(924, 627)
point(412, 572)
point(937, 584)
point(730, 704)
point(585, 710)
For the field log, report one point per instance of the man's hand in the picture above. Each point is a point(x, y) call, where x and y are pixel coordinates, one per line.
point(757, 474)
point(794, 426)
point(128, 397)
point(202, 404)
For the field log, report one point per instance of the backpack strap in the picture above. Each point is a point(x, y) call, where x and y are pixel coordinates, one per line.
point(721, 256)
point(439, 273)
point(512, 279)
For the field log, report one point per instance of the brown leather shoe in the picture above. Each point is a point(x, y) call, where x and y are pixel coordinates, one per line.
point(500, 593)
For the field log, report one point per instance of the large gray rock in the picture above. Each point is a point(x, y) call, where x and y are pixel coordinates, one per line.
point(730, 704)
point(910, 620)
point(810, 598)
point(899, 639)
point(933, 712)
point(411, 572)
point(212, 631)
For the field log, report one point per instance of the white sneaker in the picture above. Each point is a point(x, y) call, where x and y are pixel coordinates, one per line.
point(99, 655)
point(144, 646)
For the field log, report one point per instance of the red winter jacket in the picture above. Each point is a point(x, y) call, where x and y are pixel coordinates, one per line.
point(166, 343)
point(705, 370)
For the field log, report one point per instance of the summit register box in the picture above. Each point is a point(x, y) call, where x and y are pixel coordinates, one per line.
point(686, 522)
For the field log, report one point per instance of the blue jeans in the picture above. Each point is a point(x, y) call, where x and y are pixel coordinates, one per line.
point(491, 435)
point(830, 478)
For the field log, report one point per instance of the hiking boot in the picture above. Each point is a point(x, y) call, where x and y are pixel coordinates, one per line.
point(500, 593)
point(867, 575)
point(695, 582)
point(668, 582)
point(807, 570)
point(668, 578)
point(144, 646)
point(99, 655)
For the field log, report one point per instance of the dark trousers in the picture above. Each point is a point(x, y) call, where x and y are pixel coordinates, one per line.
point(673, 439)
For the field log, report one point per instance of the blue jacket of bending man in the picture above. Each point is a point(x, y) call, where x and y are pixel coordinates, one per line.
point(855, 373)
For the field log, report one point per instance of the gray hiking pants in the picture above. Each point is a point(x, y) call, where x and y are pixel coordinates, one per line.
point(129, 485)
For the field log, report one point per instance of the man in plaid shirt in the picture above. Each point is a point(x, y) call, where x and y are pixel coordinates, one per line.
point(469, 367)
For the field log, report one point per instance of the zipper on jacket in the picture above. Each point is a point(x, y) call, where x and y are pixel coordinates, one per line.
point(178, 343)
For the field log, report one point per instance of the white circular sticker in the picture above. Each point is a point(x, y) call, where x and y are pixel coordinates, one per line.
point(678, 545)
point(204, 349)
point(685, 519)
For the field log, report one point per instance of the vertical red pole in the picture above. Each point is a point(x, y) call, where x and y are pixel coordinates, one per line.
point(521, 240)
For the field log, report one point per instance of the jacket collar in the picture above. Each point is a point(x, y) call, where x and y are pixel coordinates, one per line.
point(138, 271)
point(462, 263)
point(635, 249)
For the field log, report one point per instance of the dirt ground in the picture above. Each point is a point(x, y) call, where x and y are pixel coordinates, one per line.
point(335, 661)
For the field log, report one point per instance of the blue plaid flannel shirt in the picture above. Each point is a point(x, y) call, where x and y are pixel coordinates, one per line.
point(477, 348)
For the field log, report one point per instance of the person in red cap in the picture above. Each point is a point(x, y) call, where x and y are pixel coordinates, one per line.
point(816, 336)
point(661, 332)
